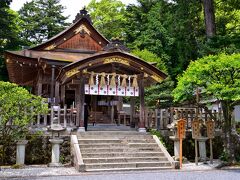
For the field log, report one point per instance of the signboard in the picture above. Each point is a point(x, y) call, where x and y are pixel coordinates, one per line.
point(195, 129)
point(181, 134)
point(181, 128)
point(111, 90)
point(210, 128)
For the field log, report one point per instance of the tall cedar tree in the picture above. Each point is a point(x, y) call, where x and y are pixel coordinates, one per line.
point(41, 20)
point(8, 34)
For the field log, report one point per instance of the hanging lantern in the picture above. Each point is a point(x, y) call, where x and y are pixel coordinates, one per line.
point(124, 81)
point(102, 81)
point(113, 82)
point(135, 83)
point(91, 80)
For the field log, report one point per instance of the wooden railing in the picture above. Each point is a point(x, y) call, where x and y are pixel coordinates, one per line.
point(160, 118)
point(157, 118)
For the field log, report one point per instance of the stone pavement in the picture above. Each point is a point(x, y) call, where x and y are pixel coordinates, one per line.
point(44, 171)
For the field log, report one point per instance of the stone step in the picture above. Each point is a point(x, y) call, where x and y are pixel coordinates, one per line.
point(117, 138)
point(122, 154)
point(111, 133)
point(123, 159)
point(100, 145)
point(97, 141)
point(111, 145)
point(119, 149)
point(120, 136)
point(94, 141)
point(127, 165)
point(131, 169)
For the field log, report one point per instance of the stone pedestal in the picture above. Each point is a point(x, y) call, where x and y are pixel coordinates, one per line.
point(81, 129)
point(21, 146)
point(55, 152)
point(202, 148)
point(176, 147)
point(142, 130)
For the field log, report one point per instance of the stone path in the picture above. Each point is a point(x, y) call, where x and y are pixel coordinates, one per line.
point(44, 171)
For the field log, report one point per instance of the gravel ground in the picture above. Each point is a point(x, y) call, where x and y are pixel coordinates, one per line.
point(42, 171)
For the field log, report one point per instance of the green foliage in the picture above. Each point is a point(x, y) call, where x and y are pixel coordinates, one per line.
point(158, 134)
point(151, 58)
point(41, 20)
point(170, 30)
point(145, 29)
point(224, 156)
point(18, 109)
point(108, 17)
point(160, 94)
point(218, 76)
point(8, 34)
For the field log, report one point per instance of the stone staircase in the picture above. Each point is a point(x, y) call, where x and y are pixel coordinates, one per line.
point(121, 150)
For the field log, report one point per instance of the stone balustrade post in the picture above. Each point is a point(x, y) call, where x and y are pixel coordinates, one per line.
point(21, 146)
point(55, 152)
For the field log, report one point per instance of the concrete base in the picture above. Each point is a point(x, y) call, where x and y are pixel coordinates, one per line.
point(20, 158)
point(55, 165)
point(55, 152)
point(202, 148)
point(176, 147)
point(81, 129)
point(142, 130)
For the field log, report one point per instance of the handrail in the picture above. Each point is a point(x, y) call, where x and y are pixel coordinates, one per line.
point(76, 154)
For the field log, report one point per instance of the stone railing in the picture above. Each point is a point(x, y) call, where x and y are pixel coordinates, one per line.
point(76, 156)
point(165, 152)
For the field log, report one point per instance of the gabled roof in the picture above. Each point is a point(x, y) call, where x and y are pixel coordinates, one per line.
point(79, 28)
point(127, 60)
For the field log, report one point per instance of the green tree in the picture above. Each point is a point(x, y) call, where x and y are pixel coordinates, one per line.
point(8, 34)
point(160, 94)
point(108, 17)
point(41, 20)
point(172, 30)
point(227, 38)
point(18, 109)
point(219, 77)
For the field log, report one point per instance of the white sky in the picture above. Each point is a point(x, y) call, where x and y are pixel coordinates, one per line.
point(72, 6)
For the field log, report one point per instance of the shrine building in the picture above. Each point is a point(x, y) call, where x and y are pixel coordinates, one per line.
point(80, 68)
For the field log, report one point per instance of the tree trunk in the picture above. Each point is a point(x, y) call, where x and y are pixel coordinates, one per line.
point(209, 18)
point(227, 129)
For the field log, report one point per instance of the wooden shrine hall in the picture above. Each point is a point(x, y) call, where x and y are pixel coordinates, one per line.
point(79, 68)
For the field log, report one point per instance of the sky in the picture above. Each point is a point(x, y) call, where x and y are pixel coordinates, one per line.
point(72, 6)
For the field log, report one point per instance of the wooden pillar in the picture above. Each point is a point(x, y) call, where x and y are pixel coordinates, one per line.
point(77, 101)
point(39, 83)
point(132, 112)
point(94, 104)
point(52, 84)
point(57, 96)
point(63, 89)
point(141, 126)
point(80, 99)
